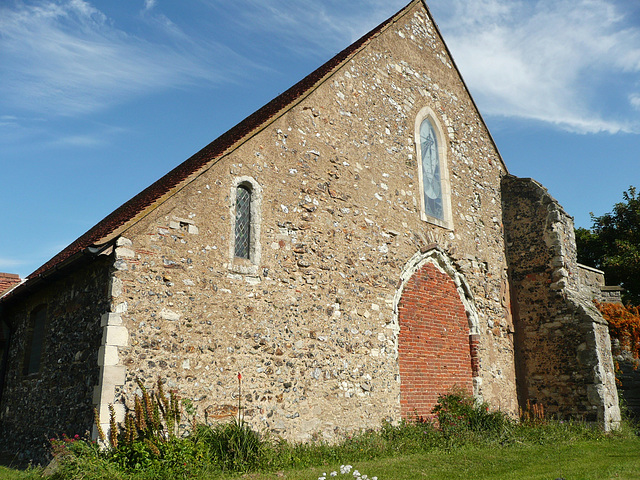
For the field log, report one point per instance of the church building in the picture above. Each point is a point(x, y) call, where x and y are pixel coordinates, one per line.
point(354, 249)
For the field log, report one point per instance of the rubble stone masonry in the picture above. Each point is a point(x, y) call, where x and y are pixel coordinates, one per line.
point(564, 352)
point(309, 322)
point(344, 308)
point(57, 398)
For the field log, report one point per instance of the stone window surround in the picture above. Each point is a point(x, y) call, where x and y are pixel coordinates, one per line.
point(242, 265)
point(428, 113)
point(31, 334)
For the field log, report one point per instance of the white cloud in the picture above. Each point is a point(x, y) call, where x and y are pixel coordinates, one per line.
point(634, 99)
point(9, 263)
point(545, 60)
point(67, 58)
point(311, 27)
point(79, 141)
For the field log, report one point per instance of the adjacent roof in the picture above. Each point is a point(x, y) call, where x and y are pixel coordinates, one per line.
point(140, 205)
point(8, 280)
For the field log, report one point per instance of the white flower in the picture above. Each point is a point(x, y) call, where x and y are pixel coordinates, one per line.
point(333, 474)
point(356, 473)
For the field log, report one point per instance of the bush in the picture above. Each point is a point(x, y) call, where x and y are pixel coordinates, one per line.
point(460, 417)
point(624, 325)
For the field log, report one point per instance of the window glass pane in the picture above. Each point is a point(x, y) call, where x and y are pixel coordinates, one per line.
point(243, 222)
point(36, 341)
point(431, 182)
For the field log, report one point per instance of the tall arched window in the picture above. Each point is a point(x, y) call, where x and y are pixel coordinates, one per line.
point(431, 180)
point(435, 198)
point(243, 221)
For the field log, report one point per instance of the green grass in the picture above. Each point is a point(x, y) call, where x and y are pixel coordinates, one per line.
point(606, 458)
point(610, 458)
point(469, 442)
point(538, 456)
point(11, 474)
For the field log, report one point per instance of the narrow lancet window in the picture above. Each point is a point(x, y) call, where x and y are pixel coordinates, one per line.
point(432, 183)
point(243, 222)
point(33, 354)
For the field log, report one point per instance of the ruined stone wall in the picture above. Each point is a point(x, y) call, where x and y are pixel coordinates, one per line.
point(591, 281)
point(309, 322)
point(564, 352)
point(59, 397)
point(592, 284)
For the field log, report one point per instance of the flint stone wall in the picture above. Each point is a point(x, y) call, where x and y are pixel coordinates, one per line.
point(310, 325)
point(564, 352)
point(59, 398)
point(630, 383)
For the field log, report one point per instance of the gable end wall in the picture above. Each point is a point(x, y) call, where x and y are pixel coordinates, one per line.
point(311, 326)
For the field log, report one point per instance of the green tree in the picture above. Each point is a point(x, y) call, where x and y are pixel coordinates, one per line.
point(613, 245)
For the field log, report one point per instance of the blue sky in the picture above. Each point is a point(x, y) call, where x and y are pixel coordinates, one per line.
point(98, 99)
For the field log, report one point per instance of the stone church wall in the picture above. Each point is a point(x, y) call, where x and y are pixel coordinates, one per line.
point(310, 321)
point(564, 352)
point(591, 281)
point(59, 397)
point(323, 319)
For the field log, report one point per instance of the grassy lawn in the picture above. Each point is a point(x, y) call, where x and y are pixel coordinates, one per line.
point(468, 442)
point(607, 458)
point(612, 458)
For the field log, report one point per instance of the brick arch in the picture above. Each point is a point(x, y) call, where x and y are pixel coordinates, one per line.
point(437, 322)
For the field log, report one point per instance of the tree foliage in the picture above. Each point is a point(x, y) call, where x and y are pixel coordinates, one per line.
point(624, 325)
point(613, 245)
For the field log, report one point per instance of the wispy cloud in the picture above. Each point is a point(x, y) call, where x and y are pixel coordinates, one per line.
point(310, 27)
point(79, 141)
point(9, 263)
point(545, 60)
point(68, 58)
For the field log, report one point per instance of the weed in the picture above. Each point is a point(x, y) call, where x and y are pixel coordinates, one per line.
point(231, 446)
point(148, 448)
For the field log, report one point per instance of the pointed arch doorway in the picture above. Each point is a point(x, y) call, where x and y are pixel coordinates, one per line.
point(437, 339)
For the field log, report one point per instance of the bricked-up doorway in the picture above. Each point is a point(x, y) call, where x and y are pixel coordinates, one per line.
point(434, 351)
